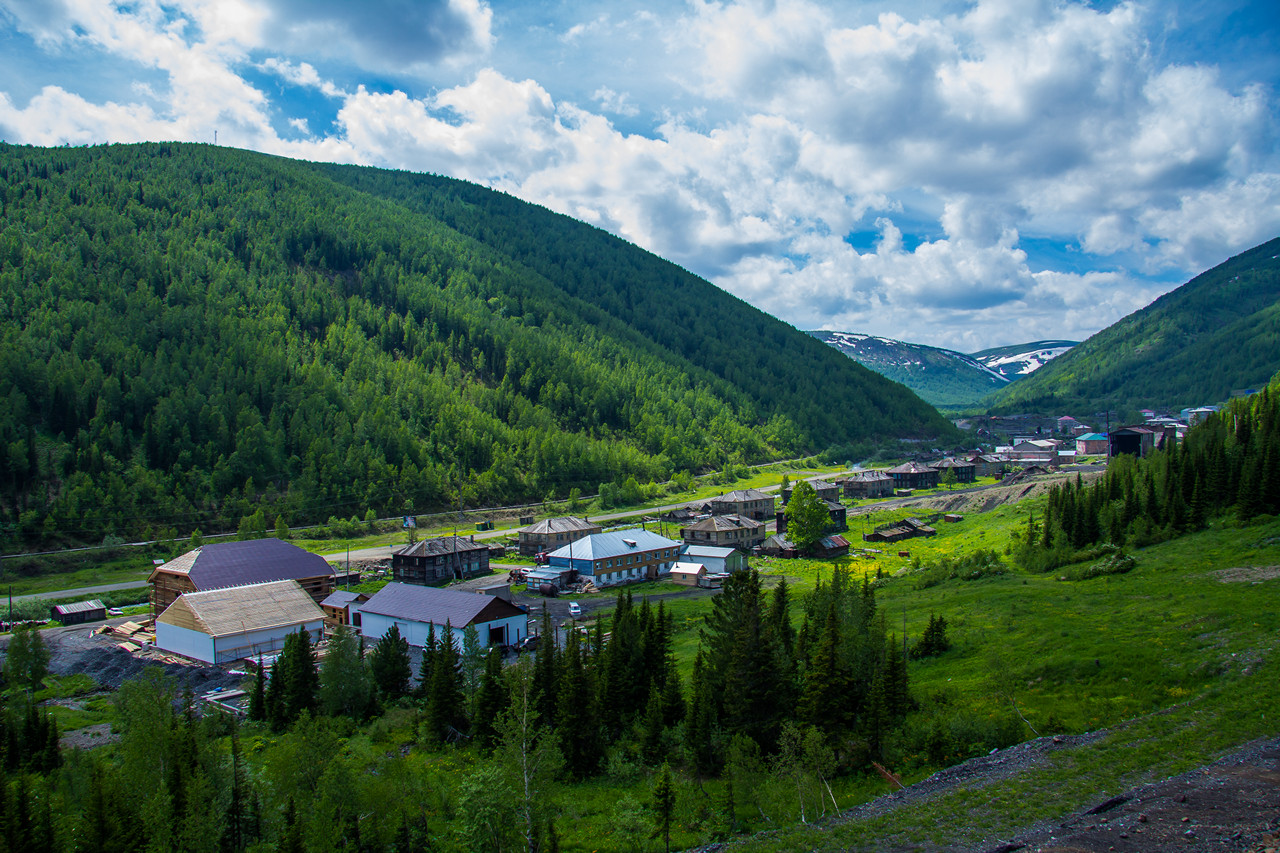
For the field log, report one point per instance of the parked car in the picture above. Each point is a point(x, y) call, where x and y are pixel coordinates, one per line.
point(575, 610)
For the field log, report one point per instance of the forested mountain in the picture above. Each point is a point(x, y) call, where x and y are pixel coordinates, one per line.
point(1217, 333)
point(189, 333)
point(942, 377)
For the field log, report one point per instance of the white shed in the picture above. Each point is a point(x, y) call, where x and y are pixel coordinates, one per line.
point(415, 609)
point(222, 625)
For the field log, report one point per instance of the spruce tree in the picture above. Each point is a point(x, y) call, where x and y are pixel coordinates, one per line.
point(389, 665)
point(698, 726)
point(444, 692)
point(664, 805)
point(577, 722)
point(491, 701)
point(258, 699)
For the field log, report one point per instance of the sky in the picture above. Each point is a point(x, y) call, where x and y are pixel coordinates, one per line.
point(961, 174)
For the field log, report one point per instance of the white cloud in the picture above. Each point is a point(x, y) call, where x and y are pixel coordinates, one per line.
point(792, 126)
point(301, 74)
point(393, 36)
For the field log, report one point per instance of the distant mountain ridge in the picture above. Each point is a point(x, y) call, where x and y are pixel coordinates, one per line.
point(943, 377)
point(1019, 360)
point(1217, 333)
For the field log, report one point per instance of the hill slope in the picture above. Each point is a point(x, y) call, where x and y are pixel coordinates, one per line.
point(942, 377)
point(188, 334)
point(1216, 333)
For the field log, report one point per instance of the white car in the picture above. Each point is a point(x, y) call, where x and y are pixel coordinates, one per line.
point(575, 610)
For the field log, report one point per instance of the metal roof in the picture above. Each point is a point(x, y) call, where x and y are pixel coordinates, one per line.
point(79, 607)
point(614, 543)
point(912, 468)
point(441, 545)
point(740, 495)
point(343, 597)
point(707, 551)
point(428, 604)
point(564, 524)
point(222, 564)
point(725, 522)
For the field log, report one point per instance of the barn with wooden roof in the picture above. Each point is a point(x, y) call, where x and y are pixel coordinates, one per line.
point(236, 622)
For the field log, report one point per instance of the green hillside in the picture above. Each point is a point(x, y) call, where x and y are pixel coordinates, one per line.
point(190, 333)
point(1217, 333)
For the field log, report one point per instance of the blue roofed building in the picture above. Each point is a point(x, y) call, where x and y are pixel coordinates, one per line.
point(618, 556)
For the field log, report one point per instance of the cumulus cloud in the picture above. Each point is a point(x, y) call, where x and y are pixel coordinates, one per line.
point(789, 127)
point(386, 35)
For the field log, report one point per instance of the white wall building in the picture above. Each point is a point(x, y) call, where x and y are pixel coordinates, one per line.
point(416, 609)
point(221, 625)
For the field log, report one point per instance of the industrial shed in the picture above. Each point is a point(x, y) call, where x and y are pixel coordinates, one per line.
point(223, 625)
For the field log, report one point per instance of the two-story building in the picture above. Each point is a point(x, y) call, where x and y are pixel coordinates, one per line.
point(442, 559)
point(868, 484)
point(616, 556)
point(550, 533)
point(825, 489)
point(914, 475)
point(965, 470)
point(752, 503)
point(735, 531)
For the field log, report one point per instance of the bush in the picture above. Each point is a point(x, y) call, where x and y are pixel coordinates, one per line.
point(1117, 563)
point(979, 564)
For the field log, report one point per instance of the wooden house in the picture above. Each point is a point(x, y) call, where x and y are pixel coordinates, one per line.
point(733, 531)
point(966, 471)
point(838, 512)
point(338, 607)
point(825, 489)
point(751, 503)
point(867, 484)
point(551, 533)
point(914, 475)
point(689, 574)
point(223, 564)
point(79, 612)
point(441, 559)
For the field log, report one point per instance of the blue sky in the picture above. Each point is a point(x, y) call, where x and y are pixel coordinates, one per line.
point(965, 174)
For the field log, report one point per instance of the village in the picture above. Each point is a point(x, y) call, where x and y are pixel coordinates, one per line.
point(232, 604)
